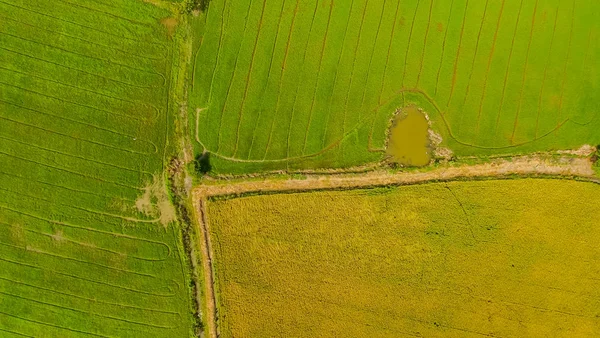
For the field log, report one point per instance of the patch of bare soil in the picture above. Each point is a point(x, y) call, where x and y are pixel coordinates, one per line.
point(170, 24)
point(155, 202)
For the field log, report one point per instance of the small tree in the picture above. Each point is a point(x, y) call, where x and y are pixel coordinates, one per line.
point(202, 163)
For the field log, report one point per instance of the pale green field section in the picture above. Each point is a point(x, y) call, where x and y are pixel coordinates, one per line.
point(513, 258)
point(83, 128)
point(314, 83)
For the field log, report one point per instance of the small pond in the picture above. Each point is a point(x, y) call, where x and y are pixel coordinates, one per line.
point(408, 143)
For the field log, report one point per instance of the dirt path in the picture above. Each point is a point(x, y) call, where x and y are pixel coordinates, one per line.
point(563, 166)
point(522, 166)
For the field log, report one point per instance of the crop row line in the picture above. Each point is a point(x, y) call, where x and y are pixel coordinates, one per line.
point(458, 50)
point(140, 103)
point(364, 94)
point(360, 29)
point(335, 76)
point(485, 11)
point(91, 300)
point(80, 70)
point(53, 325)
point(127, 136)
point(112, 35)
point(143, 292)
point(289, 128)
point(69, 225)
point(16, 333)
point(83, 244)
point(523, 80)
point(389, 52)
point(217, 60)
point(231, 80)
point(135, 22)
point(137, 171)
point(546, 67)
point(505, 81)
point(75, 138)
point(89, 313)
point(31, 249)
point(67, 51)
point(248, 78)
point(489, 65)
point(280, 82)
point(314, 95)
point(564, 75)
point(56, 186)
point(86, 176)
point(103, 46)
point(264, 89)
point(439, 70)
point(410, 34)
point(425, 42)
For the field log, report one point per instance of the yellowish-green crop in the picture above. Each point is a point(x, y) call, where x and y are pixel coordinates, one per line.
point(490, 258)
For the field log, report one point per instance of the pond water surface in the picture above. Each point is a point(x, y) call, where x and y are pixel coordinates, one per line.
point(408, 142)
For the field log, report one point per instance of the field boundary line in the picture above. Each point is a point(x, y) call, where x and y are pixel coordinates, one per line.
point(207, 263)
point(523, 166)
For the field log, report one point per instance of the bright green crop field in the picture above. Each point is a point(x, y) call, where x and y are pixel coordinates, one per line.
point(83, 129)
point(513, 258)
point(313, 83)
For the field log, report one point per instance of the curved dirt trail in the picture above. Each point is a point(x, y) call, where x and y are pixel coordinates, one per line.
point(522, 166)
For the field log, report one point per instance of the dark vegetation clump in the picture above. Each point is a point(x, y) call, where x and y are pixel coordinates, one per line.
point(596, 156)
point(197, 5)
point(202, 163)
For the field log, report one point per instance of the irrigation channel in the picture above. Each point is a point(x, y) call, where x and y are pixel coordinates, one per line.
point(518, 167)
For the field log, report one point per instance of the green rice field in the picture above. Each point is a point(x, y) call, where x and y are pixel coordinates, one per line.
point(84, 121)
point(299, 84)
